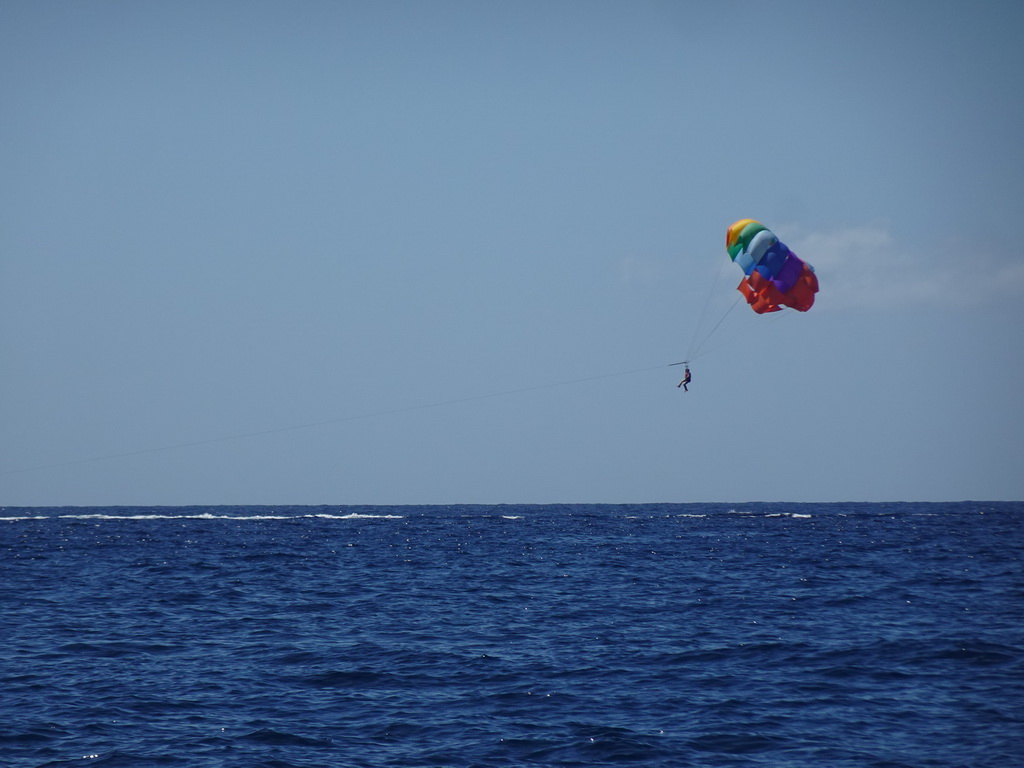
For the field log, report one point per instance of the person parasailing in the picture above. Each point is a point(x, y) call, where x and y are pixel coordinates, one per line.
point(686, 379)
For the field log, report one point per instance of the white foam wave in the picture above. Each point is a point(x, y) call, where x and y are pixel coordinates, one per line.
point(203, 516)
point(356, 516)
point(157, 516)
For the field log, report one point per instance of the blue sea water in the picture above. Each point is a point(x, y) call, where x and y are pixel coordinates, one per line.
point(838, 635)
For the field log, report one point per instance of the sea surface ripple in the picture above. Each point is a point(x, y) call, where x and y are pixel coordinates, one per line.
point(842, 635)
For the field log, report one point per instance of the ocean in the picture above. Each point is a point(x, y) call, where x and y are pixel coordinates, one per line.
point(782, 635)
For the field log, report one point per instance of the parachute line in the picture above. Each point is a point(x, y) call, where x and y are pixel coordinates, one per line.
point(700, 347)
point(753, 331)
point(697, 340)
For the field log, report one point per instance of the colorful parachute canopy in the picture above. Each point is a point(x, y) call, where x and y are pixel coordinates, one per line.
point(775, 277)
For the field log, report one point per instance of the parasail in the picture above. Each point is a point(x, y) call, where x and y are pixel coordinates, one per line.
point(775, 276)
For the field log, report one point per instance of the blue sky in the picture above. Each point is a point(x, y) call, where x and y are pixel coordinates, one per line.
point(465, 240)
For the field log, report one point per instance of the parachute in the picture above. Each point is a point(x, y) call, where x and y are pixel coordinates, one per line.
point(775, 276)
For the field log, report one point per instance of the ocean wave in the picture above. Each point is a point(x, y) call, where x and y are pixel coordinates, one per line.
point(277, 636)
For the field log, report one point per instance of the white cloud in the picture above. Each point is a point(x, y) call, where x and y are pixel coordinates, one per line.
point(867, 267)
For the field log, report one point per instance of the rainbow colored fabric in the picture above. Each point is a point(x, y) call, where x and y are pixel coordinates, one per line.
point(775, 276)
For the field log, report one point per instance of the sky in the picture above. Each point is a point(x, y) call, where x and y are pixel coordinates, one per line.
point(400, 252)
